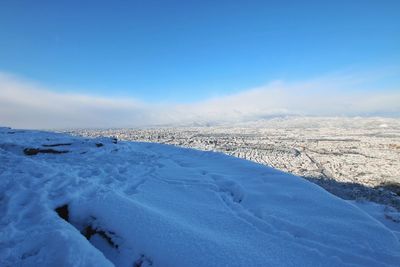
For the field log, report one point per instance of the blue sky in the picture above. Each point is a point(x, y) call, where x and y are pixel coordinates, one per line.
point(184, 51)
point(66, 64)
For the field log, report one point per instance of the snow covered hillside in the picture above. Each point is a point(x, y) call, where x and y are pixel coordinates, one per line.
point(69, 201)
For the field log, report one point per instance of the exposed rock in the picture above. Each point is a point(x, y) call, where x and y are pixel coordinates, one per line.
point(54, 145)
point(63, 212)
point(35, 151)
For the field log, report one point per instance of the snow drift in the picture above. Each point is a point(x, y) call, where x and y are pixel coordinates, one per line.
point(69, 201)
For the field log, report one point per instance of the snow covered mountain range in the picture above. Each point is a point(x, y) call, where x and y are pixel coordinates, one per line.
point(72, 201)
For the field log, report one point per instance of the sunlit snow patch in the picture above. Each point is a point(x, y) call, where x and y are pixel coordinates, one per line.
point(105, 203)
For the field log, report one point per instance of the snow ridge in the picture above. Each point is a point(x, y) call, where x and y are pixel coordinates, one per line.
point(70, 201)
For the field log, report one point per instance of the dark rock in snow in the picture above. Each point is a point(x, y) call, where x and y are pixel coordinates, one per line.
point(61, 144)
point(89, 231)
point(63, 212)
point(35, 151)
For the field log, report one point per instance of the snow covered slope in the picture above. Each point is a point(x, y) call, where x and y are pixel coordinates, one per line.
point(69, 201)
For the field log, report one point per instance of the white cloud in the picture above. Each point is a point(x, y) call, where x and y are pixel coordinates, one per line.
point(27, 105)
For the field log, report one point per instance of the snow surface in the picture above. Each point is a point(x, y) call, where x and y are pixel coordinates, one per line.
point(387, 215)
point(157, 205)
